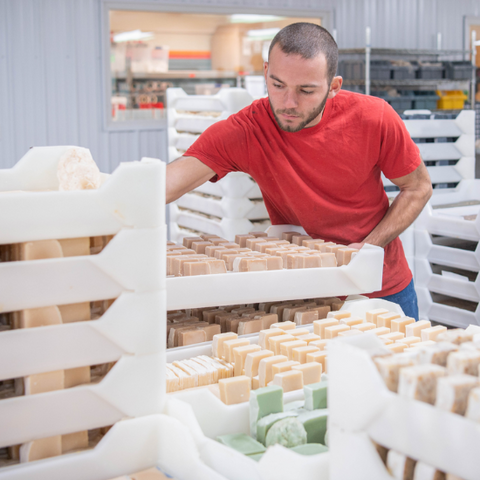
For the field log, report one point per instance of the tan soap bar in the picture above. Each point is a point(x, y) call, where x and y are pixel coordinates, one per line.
point(235, 390)
point(409, 341)
point(265, 373)
point(75, 312)
point(289, 312)
point(279, 308)
point(437, 353)
point(389, 368)
point(344, 255)
point(289, 381)
point(252, 361)
point(400, 324)
point(210, 331)
point(239, 355)
point(386, 341)
point(39, 250)
point(322, 247)
point(385, 319)
point(318, 357)
point(463, 362)
point(191, 337)
point(453, 392)
point(298, 238)
point(364, 327)
point(283, 367)
point(305, 317)
point(269, 320)
point(287, 347)
point(250, 326)
point(350, 333)
point(251, 242)
point(75, 247)
point(177, 263)
point(299, 354)
point(250, 264)
point(242, 239)
point(432, 333)
point(187, 241)
point(265, 335)
point(427, 343)
point(74, 441)
point(328, 260)
point(219, 341)
point(419, 382)
point(40, 449)
point(319, 326)
point(379, 331)
point(397, 347)
point(288, 235)
point(455, 335)
point(341, 315)
point(44, 382)
point(200, 246)
point(309, 338)
point(76, 376)
point(275, 342)
point(229, 345)
point(311, 243)
point(394, 336)
point(40, 317)
point(334, 330)
point(414, 329)
point(216, 267)
point(186, 379)
point(297, 332)
point(322, 310)
point(351, 321)
point(311, 372)
point(371, 316)
point(285, 325)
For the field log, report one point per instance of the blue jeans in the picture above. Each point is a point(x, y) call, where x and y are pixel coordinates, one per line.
point(407, 299)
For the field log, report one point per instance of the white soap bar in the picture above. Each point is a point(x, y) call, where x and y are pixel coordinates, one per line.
point(453, 391)
point(389, 368)
point(239, 355)
point(265, 335)
point(432, 333)
point(464, 361)
point(437, 353)
point(252, 361)
point(419, 382)
point(219, 340)
point(371, 316)
point(265, 373)
point(414, 329)
point(400, 324)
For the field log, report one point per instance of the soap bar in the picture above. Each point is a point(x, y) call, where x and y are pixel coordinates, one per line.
point(328, 260)
point(264, 401)
point(229, 345)
point(350, 321)
point(289, 313)
point(288, 432)
point(316, 395)
point(319, 357)
point(310, 449)
point(397, 347)
point(191, 337)
point(299, 354)
point(40, 449)
point(268, 320)
point(320, 325)
point(389, 368)
point(40, 317)
point(75, 247)
point(235, 390)
point(419, 382)
point(187, 241)
point(200, 246)
point(242, 442)
point(455, 335)
point(249, 326)
point(287, 347)
point(311, 372)
point(299, 238)
point(341, 315)
point(39, 250)
point(252, 361)
point(463, 361)
point(379, 331)
point(305, 317)
point(283, 367)
point(284, 325)
point(394, 336)
point(320, 344)
point(309, 338)
point(44, 382)
point(409, 341)
point(334, 330)
point(289, 380)
point(242, 239)
point(265, 423)
point(74, 441)
point(371, 316)
point(400, 466)
point(349, 333)
point(453, 391)
point(265, 373)
point(315, 423)
point(239, 355)
point(75, 312)
point(400, 324)
point(299, 332)
point(344, 255)
point(364, 327)
point(432, 333)
point(473, 405)
point(219, 341)
point(311, 243)
point(275, 342)
point(187, 379)
point(76, 376)
point(265, 335)
point(414, 329)
point(385, 319)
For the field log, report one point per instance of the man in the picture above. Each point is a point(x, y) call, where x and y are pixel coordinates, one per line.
point(317, 153)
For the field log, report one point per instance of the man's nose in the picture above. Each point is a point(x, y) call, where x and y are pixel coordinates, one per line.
point(290, 99)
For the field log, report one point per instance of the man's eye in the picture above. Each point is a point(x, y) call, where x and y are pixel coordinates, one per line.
point(277, 85)
point(306, 92)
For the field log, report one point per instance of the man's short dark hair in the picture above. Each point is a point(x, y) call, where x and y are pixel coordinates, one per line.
point(308, 40)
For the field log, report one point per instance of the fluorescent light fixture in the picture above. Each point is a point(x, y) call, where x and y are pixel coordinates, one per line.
point(264, 33)
point(132, 36)
point(253, 18)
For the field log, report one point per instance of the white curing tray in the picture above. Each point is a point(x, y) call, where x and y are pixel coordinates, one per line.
point(362, 275)
point(234, 208)
point(360, 404)
point(183, 122)
point(130, 446)
point(464, 124)
point(133, 196)
point(133, 261)
point(223, 227)
point(134, 325)
point(181, 141)
point(134, 387)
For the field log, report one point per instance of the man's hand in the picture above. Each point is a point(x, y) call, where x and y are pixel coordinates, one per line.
point(184, 174)
point(415, 191)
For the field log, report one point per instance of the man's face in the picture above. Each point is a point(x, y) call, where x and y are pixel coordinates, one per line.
point(297, 89)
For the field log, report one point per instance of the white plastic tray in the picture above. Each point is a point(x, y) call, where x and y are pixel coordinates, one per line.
point(131, 197)
point(134, 324)
point(234, 208)
point(60, 281)
point(360, 403)
point(362, 275)
point(463, 124)
point(181, 141)
point(182, 122)
point(133, 388)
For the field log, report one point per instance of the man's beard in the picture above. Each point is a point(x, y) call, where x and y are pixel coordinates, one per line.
point(288, 111)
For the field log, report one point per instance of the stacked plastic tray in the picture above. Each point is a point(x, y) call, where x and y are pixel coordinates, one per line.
point(130, 334)
point(234, 204)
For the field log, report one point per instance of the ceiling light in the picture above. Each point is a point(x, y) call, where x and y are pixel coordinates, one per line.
point(253, 18)
point(132, 36)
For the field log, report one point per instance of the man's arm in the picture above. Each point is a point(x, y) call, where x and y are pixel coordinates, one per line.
point(184, 174)
point(415, 190)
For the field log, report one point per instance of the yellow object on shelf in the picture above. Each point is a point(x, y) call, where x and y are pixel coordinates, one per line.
point(451, 99)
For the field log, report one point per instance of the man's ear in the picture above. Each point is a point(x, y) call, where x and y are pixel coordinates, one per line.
point(265, 70)
point(335, 86)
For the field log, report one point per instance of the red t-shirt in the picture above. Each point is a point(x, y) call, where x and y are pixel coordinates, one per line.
point(325, 178)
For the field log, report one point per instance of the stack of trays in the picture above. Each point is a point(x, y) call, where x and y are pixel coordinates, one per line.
point(94, 355)
point(234, 205)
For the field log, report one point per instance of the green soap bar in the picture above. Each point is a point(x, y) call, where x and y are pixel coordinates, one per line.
point(315, 424)
point(256, 456)
point(288, 432)
point(263, 402)
point(315, 395)
point(242, 442)
point(265, 423)
point(310, 449)
point(293, 406)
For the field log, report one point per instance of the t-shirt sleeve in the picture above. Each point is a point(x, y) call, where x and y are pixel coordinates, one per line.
point(399, 155)
point(222, 147)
